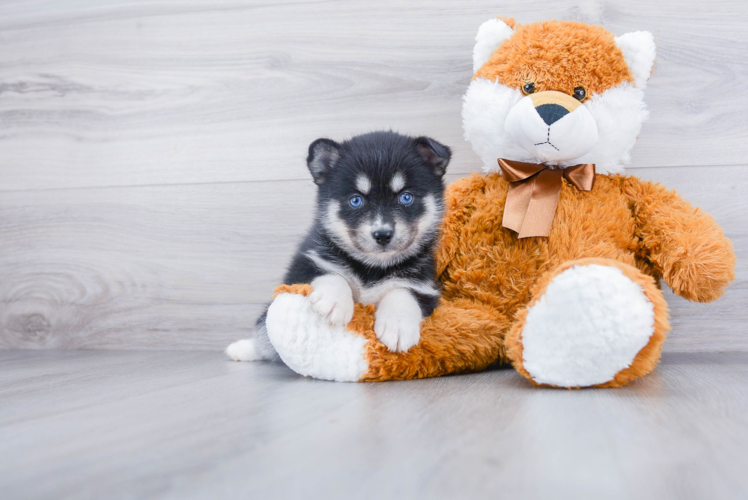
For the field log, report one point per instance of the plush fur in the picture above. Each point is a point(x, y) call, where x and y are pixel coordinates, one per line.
point(646, 359)
point(331, 352)
point(581, 307)
point(592, 59)
point(559, 55)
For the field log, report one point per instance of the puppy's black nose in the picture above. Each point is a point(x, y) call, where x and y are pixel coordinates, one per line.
point(383, 236)
point(551, 113)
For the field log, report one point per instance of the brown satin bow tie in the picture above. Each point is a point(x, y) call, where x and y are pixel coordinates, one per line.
point(533, 194)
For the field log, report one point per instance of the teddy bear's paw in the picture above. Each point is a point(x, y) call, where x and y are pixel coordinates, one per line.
point(588, 325)
point(310, 345)
point(398, 321)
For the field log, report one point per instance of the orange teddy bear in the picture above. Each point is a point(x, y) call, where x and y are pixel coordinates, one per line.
point(551, 260)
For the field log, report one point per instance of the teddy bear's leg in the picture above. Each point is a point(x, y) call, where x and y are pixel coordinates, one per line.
point(591, 322)
point(459, 336)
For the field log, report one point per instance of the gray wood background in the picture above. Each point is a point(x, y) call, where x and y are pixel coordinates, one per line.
point(152, 176)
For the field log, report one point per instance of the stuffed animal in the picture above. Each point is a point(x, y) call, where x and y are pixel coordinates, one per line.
point(551, 260)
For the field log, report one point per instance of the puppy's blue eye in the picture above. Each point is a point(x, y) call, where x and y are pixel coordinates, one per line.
point(356, 201)
point(406, 198)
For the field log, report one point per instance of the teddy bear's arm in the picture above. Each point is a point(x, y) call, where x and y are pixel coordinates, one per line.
point(459, 200)
point(684, 243)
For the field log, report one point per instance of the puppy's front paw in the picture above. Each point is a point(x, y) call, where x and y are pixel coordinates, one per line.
point(398, 321)
point(332, 299)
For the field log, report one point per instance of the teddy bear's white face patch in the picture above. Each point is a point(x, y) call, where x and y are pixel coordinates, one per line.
point(619, 113)
point(485, 107)
point(500, 122)
point(550, 129)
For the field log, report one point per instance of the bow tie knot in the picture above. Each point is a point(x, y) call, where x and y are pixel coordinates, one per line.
point(534, 190)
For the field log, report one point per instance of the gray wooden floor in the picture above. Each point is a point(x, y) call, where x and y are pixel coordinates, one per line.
point(128, 424)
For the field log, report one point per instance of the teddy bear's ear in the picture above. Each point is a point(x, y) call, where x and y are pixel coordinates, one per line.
point(639, 51)
point(490, 35)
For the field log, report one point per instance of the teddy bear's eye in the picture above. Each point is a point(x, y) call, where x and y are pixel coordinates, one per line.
point(528, 88)
point(579, 93)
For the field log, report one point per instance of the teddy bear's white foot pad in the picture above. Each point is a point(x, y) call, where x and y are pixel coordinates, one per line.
point(590, 323)
point(309, 345)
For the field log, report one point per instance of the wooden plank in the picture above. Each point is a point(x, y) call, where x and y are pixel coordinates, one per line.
point(143, 93)
point(190, 266)
point(170, 266)
point(191, 425)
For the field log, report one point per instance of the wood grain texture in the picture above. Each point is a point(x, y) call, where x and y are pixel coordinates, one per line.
point(119, 93)
point(190, 266)
point(152, 182)
point(171, 266)
point(194, 426)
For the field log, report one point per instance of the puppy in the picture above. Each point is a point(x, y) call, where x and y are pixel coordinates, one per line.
point(379, 206)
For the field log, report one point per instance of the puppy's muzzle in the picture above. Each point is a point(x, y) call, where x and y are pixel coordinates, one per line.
point(382, 236)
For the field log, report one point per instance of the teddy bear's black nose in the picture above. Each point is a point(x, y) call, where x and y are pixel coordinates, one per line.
point(551, 113)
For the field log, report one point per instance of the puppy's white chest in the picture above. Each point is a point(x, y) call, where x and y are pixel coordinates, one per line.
point(373, 294)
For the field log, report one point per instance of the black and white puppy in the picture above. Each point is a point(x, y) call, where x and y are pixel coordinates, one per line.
point(379, 207)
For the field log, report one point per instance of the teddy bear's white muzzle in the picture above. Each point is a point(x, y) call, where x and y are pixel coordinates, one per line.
point(551, 129)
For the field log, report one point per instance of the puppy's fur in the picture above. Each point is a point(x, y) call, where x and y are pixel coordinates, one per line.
point(379, 205)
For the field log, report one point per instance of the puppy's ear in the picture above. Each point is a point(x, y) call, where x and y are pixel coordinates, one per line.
point(323, 154)
point(437, 155)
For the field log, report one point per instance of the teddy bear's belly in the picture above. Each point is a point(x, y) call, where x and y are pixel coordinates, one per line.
point(493, 266)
